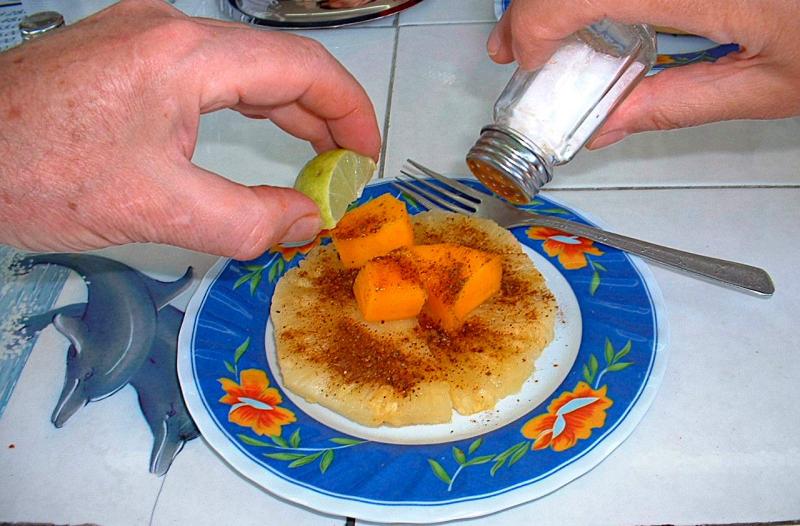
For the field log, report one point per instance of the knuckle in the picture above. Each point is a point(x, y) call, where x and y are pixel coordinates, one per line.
point(176, 32)
point(314, 52)
point(254, 233)
point(663, 119)
point(252, 241)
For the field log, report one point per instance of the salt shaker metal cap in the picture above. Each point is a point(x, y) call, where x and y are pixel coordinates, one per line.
point(544, 117)
point(37, 24)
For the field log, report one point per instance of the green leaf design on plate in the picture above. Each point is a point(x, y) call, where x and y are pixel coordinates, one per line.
point(517, 455)
point(409, 200)
point(280, 441)
point(586, 374)
point(459, 456)
point(502, 458)
point(624, 351)
point(294, 440)
point(325, 463)
point(285, 456)
point(255, 282)
point(475, 445)
point(242, 280)
point(613, 364)
point(439, 471)
point(237, 355)
point(347, 441)
point(609, 352)
point(231, 369)
point(595, 284)
point(479, 460)
point(253, 441)
point(619, 366)
point(307, 459)
point(552, 211)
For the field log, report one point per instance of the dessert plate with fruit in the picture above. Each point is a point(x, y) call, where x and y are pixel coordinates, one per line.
point(415, 366)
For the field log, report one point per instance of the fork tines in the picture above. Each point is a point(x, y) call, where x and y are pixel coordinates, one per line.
point(447, 194)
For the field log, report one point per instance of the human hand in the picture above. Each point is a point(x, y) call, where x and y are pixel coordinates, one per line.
point(99, 123)
point(762, 81)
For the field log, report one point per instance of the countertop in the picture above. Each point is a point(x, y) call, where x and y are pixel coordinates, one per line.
point(719, 443)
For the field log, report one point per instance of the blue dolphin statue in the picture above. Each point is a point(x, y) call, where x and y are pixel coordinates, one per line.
point(111, 339)
point(156, 383)
point(160, 397)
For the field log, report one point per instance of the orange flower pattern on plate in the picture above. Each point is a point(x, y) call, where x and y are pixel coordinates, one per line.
point(570, 417)
point(289, 253)
point(255, 404)
point(571, 250)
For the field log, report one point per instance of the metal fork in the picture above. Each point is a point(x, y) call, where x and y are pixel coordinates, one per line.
point(454, 196)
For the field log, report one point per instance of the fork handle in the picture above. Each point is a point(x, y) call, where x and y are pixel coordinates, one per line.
point(745, 276)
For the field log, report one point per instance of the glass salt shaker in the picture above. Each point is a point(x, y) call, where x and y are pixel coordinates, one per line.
point(543, 117)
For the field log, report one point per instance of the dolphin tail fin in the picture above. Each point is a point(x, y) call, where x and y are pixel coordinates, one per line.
point(163, 292)
point(168, 440)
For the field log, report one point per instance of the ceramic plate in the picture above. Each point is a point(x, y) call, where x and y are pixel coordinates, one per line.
point(681, 50)
point(592, 385)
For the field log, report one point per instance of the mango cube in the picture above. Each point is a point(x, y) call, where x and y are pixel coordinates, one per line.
point(373, 229)
point(457, 280)
point(388, 288)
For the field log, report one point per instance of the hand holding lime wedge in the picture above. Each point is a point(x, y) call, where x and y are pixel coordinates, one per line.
point(333, 180)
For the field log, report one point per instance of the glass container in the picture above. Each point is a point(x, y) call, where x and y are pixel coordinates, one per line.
point(544, 117)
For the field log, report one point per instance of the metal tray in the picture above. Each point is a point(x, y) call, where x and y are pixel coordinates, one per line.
point(309, 14)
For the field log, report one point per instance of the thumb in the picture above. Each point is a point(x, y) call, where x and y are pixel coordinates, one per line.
point(208, 213)
point(694, 95)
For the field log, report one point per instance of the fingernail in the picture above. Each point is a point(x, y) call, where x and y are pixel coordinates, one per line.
point(606, 139)
point(493, 45)
point(303, 229)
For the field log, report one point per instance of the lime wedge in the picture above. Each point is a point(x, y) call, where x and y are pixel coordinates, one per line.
point(333, 180)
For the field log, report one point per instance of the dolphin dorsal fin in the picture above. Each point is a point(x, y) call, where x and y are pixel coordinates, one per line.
point(163, 292)
point(73, 328)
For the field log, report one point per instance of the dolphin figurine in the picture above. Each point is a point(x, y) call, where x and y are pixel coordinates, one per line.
point(111, 339)
point(156, 383)
point(160, 397)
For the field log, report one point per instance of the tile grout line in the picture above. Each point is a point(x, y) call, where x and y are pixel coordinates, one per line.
point(158, 496)
point(451, 23)
point(389, 97)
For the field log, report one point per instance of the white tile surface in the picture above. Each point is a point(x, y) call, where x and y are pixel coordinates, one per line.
point(220, 496)
point(448, 12)
point(253, 151)
point(444, 92)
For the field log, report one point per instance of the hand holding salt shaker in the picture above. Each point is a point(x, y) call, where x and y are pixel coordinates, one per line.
point(543, 117)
